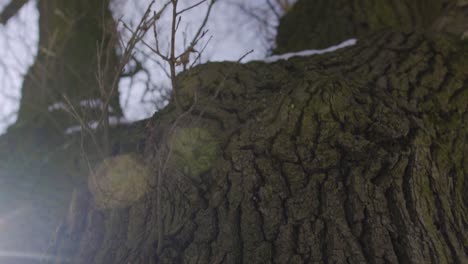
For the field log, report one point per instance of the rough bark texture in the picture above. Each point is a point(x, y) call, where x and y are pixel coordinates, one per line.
point(358, 156)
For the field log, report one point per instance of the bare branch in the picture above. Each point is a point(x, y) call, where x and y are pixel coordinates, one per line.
point(178, 23)
point(172, 60)
point(191, 7)
point(273, 9)
point(200, 52)
point(138, 67)
point(202, 26)
point(11, 9)
point(245, 55)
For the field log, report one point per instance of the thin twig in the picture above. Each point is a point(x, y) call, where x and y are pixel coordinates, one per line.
point(245, 55)
point(273, 9)
point(190, 7)
point(201, 52)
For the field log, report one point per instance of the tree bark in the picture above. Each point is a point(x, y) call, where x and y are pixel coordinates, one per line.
point(358, 156)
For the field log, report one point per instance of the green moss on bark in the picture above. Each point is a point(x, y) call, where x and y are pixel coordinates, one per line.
point(193, 151)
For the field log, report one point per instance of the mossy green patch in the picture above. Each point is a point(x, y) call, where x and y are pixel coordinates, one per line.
point(194, 151)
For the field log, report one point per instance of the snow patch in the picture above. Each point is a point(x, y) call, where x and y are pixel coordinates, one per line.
point(304, 53)
point(91, 104)
point(94, 104)
point(113, 121)
point(57, 106)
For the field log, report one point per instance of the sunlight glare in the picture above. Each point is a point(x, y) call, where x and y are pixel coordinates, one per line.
point(30, 255)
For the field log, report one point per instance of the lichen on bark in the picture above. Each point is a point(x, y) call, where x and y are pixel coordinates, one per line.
point(193, 151)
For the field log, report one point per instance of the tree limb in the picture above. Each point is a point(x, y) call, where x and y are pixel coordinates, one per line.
point(11, 10)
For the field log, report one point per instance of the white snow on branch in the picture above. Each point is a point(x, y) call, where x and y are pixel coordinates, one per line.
point(304, 53)
point(91, 104)
point(94, 104)
point(57, 106)
point(73, 129)
point(113, 120)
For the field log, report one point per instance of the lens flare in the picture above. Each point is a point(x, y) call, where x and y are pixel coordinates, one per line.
point(31, 256)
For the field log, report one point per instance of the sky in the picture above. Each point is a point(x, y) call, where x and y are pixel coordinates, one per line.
point(232, 32)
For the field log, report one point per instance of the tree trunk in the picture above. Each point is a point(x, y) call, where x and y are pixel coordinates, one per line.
point(39, 164)
point(358, 156)
point(71, 36)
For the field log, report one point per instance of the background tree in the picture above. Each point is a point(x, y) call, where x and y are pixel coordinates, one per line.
point(73, 69)
point(70, 35)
